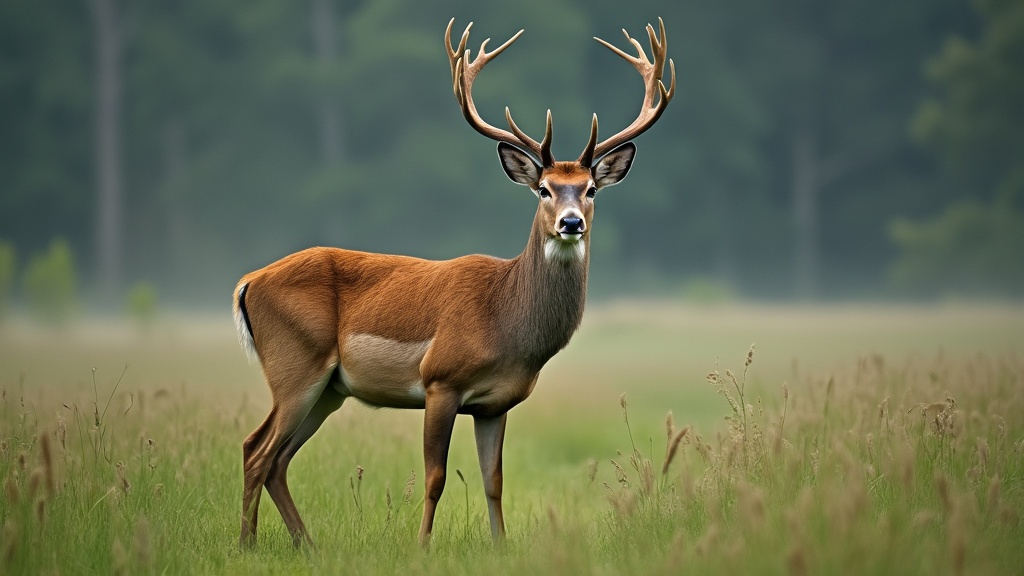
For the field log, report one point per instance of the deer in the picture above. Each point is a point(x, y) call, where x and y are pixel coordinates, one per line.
point(463, 336)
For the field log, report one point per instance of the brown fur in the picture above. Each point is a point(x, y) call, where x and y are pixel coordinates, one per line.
point(474, 332)
point(491, 325)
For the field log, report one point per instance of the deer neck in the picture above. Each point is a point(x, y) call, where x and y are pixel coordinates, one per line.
point(544, 296)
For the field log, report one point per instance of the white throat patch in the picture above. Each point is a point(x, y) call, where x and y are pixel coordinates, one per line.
point(558, 250)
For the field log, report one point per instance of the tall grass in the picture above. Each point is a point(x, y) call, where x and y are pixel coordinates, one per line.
point(901, 464)
point(912, 467)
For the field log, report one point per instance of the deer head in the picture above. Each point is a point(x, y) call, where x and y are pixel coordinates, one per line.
point(566, 190)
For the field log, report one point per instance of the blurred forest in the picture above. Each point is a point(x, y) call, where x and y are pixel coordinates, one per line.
point(814, 151)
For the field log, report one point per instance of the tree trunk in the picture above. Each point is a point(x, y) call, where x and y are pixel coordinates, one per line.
point(806, 187)
point(324, 27)
point(179, 243)
point(109, 214)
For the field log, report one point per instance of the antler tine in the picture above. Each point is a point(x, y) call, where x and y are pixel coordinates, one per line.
point(453, 55)
point(543, 148)
point(465, 71)
point(587, 158)
point(652, 74)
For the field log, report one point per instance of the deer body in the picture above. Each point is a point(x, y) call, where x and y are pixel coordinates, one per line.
point(481, 326)
point(462, 336)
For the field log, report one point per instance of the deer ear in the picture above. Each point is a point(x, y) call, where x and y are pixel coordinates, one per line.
point(613, 166)
point(519, 166)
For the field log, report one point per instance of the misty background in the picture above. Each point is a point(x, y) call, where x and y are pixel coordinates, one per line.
point(815, 151)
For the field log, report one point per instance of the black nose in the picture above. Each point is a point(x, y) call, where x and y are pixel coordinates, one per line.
point(572, 225)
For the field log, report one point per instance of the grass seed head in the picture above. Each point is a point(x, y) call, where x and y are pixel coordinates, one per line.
point(983, 453)
point(62, 430)
point(47, 456)
point(122, 477)
point(673, 447)
point(591, 469)
point(647, 475)
point(410, 486)
point(620, 474)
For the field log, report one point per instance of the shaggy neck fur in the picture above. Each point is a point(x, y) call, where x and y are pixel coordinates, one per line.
point(544, 296)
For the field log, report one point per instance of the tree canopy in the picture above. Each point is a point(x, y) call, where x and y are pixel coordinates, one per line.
point(802, 135)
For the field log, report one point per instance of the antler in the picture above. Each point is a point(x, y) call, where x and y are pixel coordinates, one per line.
point(652, 73)
point(464, 72)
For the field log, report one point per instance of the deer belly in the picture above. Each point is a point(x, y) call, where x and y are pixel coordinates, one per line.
point(383, 372)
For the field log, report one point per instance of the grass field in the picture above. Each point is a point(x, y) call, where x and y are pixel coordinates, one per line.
point(858, 440)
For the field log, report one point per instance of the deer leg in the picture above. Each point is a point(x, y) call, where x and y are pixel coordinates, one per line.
point(490, 433)
point(441, 407)
point(277, 479)
point(251, 501)
point(261, 447)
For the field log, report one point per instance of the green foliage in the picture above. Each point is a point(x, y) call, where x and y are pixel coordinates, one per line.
point(8, 262)
point(225, 107)
point(970, 249)
point(973, 121)
point(141, 304)
point(50, 284)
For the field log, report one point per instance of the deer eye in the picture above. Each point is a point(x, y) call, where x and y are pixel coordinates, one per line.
point(544, 192)
point(592, 192)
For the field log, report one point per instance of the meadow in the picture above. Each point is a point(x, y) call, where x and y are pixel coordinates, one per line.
point(848, 440)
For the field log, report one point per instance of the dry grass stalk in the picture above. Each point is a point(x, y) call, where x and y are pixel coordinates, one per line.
point(142, 545)
point(410, 486)
point(957, 534)
point(673, 447)
point(591, 469)
point(122, 476)
point(992, 496)
point(944, 491)
point(62, 431)
point(620, 474)
point(751, 500)
point(119, 558)
point(34, 482)
point(40, 510)
point(982, 449)
point(623, 501)
point(647, 476)
point(10, 542)
point(48, 472)
point(11, 490)
point(703, 546)
point(553, 519)
point(796, 561)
